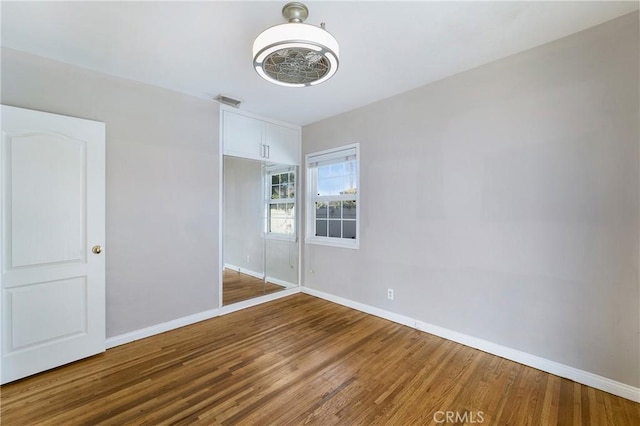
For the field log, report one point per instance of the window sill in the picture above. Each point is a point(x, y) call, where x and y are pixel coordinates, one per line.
point(333, 242)
point(281, 237)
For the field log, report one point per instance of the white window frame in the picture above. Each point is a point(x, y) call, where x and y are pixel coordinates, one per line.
point(269, 171)
point(312, 196)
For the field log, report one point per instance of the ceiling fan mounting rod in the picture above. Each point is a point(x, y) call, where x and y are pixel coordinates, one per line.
point(295, 12)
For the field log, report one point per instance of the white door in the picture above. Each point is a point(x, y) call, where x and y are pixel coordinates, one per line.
point(52, 303)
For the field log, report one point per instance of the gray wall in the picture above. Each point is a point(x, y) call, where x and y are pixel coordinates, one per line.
point(162, 185)
point(503, 202)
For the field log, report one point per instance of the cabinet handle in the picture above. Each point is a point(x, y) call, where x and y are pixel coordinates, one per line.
point(262, 151)
point(268, 151)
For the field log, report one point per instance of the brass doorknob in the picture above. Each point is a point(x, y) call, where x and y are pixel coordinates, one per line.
point(96, 249)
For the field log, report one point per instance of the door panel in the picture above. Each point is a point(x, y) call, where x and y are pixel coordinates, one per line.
point(53, 286)
point(48, 202)
point(63, 312)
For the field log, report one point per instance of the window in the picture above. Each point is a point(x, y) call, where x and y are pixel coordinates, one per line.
point(332, 197)
point(281, 202)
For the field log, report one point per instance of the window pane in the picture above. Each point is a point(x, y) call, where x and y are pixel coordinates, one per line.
point(350, 177)
point(286, 226)
point(321, 228)
point(334, 228)
point(333, 170)
point(349, 185)
point(349, 210)
point(349, 229)
point(283, 185)
point(331, 186)
point(274, 218)
point(281, 218)
point(337, 169)
point(325, 186)
point(334, 210)
point(324, 172)
point(321, 210)
point(289, 228)
point(336, 179)
point(278, 226)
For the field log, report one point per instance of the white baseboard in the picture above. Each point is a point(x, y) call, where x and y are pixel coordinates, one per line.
point(280, 282)
point(245, 271)
point(132, 336)
point(258, 300)
point(584, 377)
point(259, 275)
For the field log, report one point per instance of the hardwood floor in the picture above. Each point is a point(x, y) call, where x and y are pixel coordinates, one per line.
point(301, 360)
point(237, 287)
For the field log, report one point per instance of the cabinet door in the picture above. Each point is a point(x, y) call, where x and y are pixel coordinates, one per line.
point(242, 136)
point(283, 144)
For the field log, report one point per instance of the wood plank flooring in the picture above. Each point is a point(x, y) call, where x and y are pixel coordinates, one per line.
point(300, 360)
point(237, 287)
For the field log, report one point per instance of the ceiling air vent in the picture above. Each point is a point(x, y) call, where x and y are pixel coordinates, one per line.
point(228, 101)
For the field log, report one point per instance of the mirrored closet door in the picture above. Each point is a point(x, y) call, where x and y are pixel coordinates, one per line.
point(260, 245)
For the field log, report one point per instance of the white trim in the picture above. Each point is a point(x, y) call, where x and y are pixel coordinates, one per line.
point(235, 268)
point(258, 300)
point(334, 242)
point(258, 275)
point(331, 150)
point(258, 117)
point(391, 316)
point(132, 336)
point(290, 238)
point(300, 176)
point(580, 376)
point(331, 156)
point(278, 281)
point(221, 203)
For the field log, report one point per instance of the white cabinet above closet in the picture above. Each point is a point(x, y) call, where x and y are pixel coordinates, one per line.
point(260, 139)
point(283, 144)
point(242, 136)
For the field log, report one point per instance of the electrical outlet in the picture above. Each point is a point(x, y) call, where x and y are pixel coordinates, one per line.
point(390, 293)
point(248, 259)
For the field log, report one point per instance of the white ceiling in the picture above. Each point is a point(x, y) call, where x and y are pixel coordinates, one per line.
point(204, 48)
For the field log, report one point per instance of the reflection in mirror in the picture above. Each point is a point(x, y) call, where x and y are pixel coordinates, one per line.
point(260, 249)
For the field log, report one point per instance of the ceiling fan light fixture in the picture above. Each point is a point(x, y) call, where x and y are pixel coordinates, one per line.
point(295, 54)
